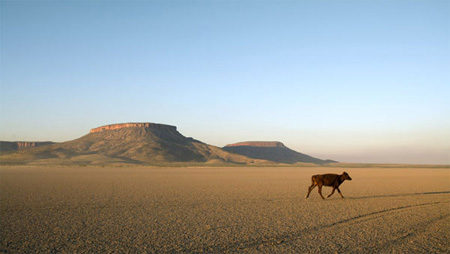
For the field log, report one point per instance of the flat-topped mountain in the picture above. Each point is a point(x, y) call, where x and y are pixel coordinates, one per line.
point(139, 143)
point(272, 151)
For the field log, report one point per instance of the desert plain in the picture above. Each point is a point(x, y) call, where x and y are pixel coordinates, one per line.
point(222, 209)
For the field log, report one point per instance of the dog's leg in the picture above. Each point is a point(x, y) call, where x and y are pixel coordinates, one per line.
point(340, 192)
point(320, 191)
point(332, 192)
point(310, 189)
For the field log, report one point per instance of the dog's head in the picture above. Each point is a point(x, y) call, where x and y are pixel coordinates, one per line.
point(346, 176)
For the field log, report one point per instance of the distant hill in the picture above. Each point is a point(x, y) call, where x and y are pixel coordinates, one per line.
point(12, 146)
point(130, 143)
point(272, 151)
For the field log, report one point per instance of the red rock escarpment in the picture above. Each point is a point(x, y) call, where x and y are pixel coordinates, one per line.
point(131, 125)
point(258, 144)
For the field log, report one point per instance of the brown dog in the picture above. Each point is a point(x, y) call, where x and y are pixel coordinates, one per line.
point(332, 180)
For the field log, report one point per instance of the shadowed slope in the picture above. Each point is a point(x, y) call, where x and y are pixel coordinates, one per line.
point(272, 151)
point(140, 143)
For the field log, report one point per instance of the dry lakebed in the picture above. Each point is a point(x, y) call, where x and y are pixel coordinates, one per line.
point(222, 209)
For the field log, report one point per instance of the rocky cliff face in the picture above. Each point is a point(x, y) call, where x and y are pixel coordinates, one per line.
point(6, 146)
point(25, 144)
point(132, 125)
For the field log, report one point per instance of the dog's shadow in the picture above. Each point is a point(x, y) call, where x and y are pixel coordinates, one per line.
point(400, 195)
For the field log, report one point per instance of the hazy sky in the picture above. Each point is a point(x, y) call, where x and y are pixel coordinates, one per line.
point(357, 81)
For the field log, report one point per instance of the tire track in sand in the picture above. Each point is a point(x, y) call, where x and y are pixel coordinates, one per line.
point(417, 229)
point(290, 237)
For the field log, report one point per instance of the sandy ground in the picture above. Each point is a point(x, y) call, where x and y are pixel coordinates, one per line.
point(222, 210)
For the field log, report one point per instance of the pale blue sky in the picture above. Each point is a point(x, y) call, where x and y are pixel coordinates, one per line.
point(358, 81)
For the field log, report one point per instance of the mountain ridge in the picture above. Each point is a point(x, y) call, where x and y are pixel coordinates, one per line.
point(148, 143)
point(129, 143)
